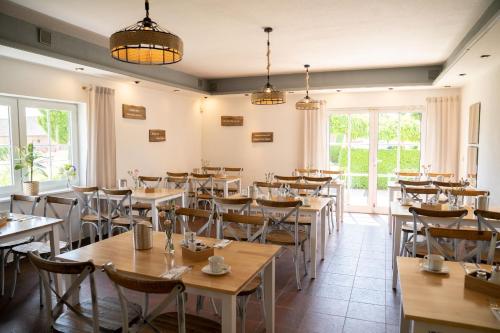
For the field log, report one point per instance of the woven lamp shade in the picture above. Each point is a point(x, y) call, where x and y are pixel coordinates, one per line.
point(272, 97)
point(308, 103)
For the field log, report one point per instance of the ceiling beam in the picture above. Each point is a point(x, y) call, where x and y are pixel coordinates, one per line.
point(24, 35)
point(383, 77)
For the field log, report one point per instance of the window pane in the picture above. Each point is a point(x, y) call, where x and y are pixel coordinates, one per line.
point(410, 158)
point(338, 129)
point(388, 126)
point(37, 126)
point(410, 127)
point(6, 174)
point(360, 124)
point(42, 173)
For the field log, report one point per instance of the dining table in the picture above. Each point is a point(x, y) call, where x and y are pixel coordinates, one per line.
point(225, 181)
point(432, 302)
point(247, 260)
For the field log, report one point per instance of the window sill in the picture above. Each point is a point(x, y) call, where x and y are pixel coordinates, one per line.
point(50, 192)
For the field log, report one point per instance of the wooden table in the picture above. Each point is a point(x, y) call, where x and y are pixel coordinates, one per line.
point(400, 215)
point(225, 181)
point(23, 226)
point(440, 303)
point(160, 195)
point(246, 260)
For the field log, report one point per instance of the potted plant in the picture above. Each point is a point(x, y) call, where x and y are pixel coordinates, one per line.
point(28, 161)
point(69, 171)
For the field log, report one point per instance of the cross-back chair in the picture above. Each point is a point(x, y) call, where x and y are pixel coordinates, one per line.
point(94, 315)
point(188, 216)
point(90, 211)
point(447, 185)
point(203, 188)
point(407, 175)
point(461, 194)
point(420, 194)
point(427, 218)
point(414, 182)
point(288, 179)
point(266, 189)
point(119, 215)
point(305, 189)
point(147, 182)
point(305, 171)
point(211, 170)
point(234, 171)
point(441, 176)
point(43, 248)
point(489, 220)
point(281, 232)
point(17, 204)
point(157, 319)
point(335, 174)
point(239, 206)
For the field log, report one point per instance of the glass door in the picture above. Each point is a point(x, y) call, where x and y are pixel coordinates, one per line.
point(369, 146)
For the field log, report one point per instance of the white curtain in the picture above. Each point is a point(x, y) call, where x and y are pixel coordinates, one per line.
point(441, 134)
point(316, 138)
point(101, 159)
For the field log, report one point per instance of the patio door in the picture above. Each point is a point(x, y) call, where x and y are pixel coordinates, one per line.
point(369, 145)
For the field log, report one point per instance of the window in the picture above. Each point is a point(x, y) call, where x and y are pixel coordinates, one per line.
point(50, 126)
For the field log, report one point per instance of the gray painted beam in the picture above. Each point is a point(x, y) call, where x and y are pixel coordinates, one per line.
point(384, 77)
point(24, 35)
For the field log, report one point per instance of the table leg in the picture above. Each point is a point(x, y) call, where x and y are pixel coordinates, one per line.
point(391, 199)
point(396, 236)
point(154, 215)
point(228, 313)
point(226, 189)
point(54, 251)
point(183, 204)
point(404, 324)
point(74, 299)
point(314, 244)
point(338, 205)
point(269, 294)
point(323, 232)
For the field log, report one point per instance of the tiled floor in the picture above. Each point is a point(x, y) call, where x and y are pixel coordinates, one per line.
point(352, 292)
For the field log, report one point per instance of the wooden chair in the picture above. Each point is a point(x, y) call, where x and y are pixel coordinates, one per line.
point(335, 174)
point(445, 241)
point(305, 171)
point(203, 189)
point(176, 181)
point(426, 218)
point(156, 319)
point(325, 192)
point(420, 194)
point(187, 216)
point(488, 220)
point(441, 176)
point(446, 185)
point(120, 217)
point(266, 189)
point(232, 171)
point(211, 170)
point(281, 232)
point(304, 189)
point(43, 248)
point(288, 179)
point(148, 182)
point(415, 183)
point(235, 206)
point(90, 211)
point(16, 205)
point(462, 193)
point(95, 315)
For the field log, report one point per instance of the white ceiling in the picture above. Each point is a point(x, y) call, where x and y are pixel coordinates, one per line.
point(225, 38)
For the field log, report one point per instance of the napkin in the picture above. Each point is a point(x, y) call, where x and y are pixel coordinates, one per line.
point(223, 243)
point(176, 273)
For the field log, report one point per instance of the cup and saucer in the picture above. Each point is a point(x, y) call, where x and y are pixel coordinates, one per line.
point(216, 266)
point(434, 263)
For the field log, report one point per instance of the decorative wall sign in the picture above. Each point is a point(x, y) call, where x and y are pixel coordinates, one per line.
point(474, 113)
point(133, 112)
point(157, 135)
point(262, 136)
point(231, 120)
point(472, 162)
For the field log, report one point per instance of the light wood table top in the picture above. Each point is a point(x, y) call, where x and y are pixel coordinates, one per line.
point(246, 260)
point(158, 194)
point(442, 299)
point(24, 223)
point(399, 210)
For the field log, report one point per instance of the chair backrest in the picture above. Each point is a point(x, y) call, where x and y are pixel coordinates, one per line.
point(415, 182)
point(233, 205)
point(468, 192)
point(488, 220)
point(305, 171)
point(278, 213)
point(407, 174)
point(177, 174)
point(484, 239)
point(202, 183)
point(309, 189)
point(177, 182)
point(252, 226)
point(119, 202)
point(173, 288)
point(237, 171)
point(288, 179)
point(420, 193)
point(208, 169)
point(187, 216)
point(335, 174)
point(264, 188)
point(82, 270)
point(17, 199)
point(441, 184)
point(443, 176)
point(86, 197)
point(428, 217)
point(49, 208)
point(150, 182)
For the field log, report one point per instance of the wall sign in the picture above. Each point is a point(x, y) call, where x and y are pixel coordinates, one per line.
point(231, 120)
point(157, 135)
point(133, 112)
point(474, 112)
point(262, 136)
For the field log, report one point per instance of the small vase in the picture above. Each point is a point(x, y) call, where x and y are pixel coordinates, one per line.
point(31, 188)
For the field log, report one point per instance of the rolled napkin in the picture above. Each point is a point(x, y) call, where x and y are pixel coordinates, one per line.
point(222, 244)
point(176, 273)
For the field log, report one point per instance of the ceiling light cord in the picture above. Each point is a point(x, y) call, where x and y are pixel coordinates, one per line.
point(307, 81)
point(146, 5)
point(268, 54)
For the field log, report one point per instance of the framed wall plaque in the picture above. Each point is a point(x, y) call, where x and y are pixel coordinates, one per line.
point(157, 135)
point(262, 136)
point(231, 120)
point(133, 112)
point(474, 116)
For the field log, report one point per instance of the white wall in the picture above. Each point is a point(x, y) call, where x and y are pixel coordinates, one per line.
point(486, 90)
point(232, 146)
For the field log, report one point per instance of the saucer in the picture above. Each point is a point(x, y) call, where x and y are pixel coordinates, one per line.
point(425, 267)
point(226, 269)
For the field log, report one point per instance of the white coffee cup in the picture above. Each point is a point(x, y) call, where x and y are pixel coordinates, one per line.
point(434, 262)
point(4, 214)
point(216, 263)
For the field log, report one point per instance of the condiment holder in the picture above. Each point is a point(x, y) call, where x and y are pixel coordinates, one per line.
point(475, 282)
point(198, 253)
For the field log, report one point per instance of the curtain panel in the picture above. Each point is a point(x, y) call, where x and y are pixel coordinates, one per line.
point(316, 138)
point(441, 134)
point(101, 160)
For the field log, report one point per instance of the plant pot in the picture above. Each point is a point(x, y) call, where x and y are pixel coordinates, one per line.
point(31, 188)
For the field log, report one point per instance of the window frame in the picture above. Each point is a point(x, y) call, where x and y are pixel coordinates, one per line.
point(19, 137)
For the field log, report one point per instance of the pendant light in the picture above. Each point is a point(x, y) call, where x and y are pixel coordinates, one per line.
point(146, 43)
point(268, 95)
point(307, 103)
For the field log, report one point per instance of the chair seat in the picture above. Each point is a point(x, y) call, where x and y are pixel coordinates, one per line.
point(283, 237)
point(110, 317)
point(92, 218)
point(204, 196)
point(167, 322)
point(251, 287)
point(141, 206)
point(11, 244)
point(41, 247)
